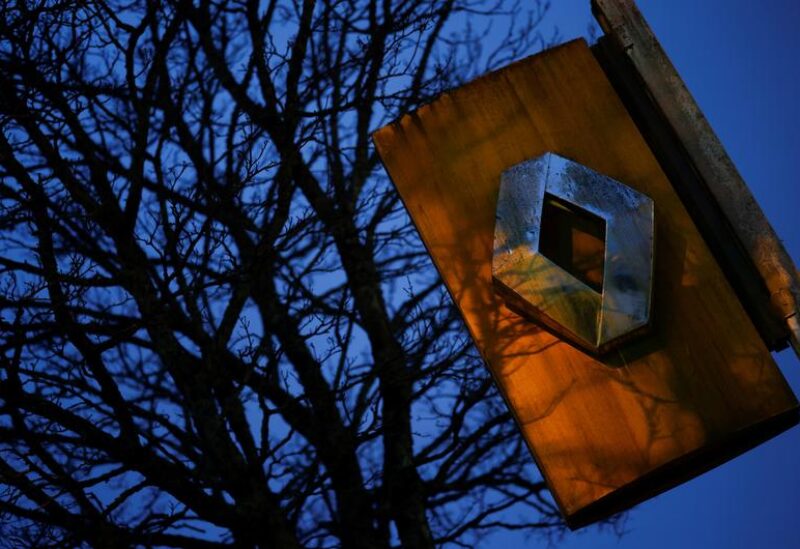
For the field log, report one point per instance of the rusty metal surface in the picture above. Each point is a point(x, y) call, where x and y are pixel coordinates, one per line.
point(622, 21)
point(593, 320)
point(736, 263)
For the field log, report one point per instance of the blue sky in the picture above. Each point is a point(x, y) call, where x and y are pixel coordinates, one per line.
point(741, 60)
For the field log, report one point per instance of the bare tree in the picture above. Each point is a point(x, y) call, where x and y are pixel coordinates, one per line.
point(218, 327)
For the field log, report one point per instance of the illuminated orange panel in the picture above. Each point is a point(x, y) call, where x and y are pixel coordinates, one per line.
point(606, 433)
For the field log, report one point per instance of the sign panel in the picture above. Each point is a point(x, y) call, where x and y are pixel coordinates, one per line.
point(606, 430)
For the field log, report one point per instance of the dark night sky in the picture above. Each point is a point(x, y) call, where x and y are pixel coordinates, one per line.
point(741, 60)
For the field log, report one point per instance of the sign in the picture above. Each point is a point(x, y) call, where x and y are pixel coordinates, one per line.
point(608, 425)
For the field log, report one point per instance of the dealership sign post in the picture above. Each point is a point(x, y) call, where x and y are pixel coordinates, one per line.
point(610, 264)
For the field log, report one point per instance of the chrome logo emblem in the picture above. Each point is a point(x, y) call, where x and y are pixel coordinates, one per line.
point(595, 313)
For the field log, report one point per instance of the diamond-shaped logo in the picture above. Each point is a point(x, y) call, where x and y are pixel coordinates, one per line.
point(594, 308)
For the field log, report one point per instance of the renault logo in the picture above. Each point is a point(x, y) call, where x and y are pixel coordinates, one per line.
point(573, 249)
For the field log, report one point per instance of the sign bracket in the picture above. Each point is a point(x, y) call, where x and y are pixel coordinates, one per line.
point(729, 218)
